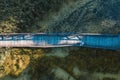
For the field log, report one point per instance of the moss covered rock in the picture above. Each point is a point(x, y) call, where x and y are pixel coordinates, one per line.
point(15, 64)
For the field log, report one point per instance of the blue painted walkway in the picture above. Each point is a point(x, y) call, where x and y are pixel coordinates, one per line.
point(44, 40)
point(102, 41)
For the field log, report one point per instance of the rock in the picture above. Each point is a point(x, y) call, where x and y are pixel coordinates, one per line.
point(15, 65)
point(58, 52)
point(62, 75)
point(76, 71)
point(20, 65)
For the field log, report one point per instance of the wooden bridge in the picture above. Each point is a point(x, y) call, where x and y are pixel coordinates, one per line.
point(46, 40)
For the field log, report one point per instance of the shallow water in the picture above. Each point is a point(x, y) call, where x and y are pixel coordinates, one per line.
point(63, 64)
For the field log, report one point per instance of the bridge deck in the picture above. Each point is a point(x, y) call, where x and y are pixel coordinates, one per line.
point(106, 41)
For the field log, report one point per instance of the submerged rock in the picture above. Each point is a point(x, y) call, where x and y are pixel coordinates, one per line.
point(76, 71)
point(15, 64)
point(23, 76)
point(58, 52)
point(62, 74)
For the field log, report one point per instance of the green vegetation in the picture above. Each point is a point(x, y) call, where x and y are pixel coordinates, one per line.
point(86, 16)
point(23, 15)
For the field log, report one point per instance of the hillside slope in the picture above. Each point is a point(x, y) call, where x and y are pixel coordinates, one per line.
point(99, 16)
